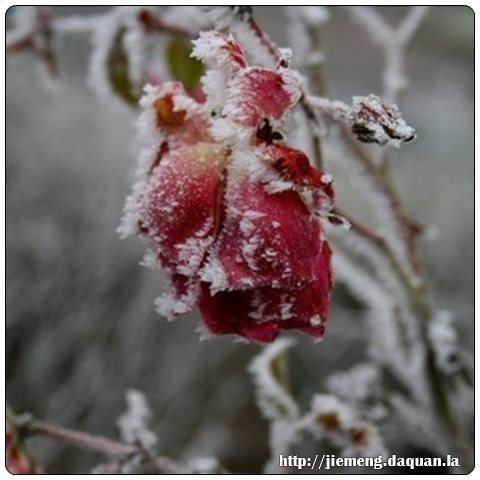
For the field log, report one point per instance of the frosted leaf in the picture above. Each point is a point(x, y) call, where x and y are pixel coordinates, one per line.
point(268, 373)
point(443, 337)
point(117, 64)
point(133, 424)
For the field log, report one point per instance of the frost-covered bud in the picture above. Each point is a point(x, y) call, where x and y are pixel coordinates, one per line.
point(374, 120)
point(229, 209)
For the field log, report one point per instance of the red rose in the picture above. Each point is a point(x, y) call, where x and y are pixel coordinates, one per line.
point(230, 211)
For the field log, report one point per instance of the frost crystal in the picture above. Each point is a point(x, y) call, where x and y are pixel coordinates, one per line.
point(273, 398)
point(133, 424)
point(337, 422)
point(444, 340)
point(360, 387)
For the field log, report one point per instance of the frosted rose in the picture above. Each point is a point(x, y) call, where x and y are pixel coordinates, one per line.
point(229, 210)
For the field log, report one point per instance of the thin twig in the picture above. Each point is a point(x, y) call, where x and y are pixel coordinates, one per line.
point(28, 426)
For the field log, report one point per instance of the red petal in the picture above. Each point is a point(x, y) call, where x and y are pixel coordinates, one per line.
point(293, 165)
point(178, 208)
point(261, 313)
point(180, 117)
point(266, 238)
point(259, 93)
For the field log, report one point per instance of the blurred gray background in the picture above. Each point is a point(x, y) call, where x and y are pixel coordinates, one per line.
point(81, 328)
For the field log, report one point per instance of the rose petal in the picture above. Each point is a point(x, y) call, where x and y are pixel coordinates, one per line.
point(178, 210)
point(259, 93)
point(266, 239)
point(179, 117)
point(261, 313)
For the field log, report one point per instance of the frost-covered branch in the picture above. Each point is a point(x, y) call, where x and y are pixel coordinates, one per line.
point(33, 31)
point(368, 117)
point(392, 41)
point(119, 453)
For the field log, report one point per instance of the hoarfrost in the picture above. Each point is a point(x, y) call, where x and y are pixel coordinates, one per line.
point(443, 337)
point(120, 25)
point(133, 424)
point(214, 274)
point(360, 387)
point(374, 120)
point(192, 252)
point(304, 23)
point(169, 306)
point(337, 422)
point(258, 53)
point(273, 398)
point(190, 18)
point(371, 118)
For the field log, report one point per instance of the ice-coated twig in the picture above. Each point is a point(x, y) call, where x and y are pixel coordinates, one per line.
point(402, 232)
point(392, 41)
point(268, 373)
point(28, 426)
point(304, 27)
point(77, 25)
point(34, 32)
